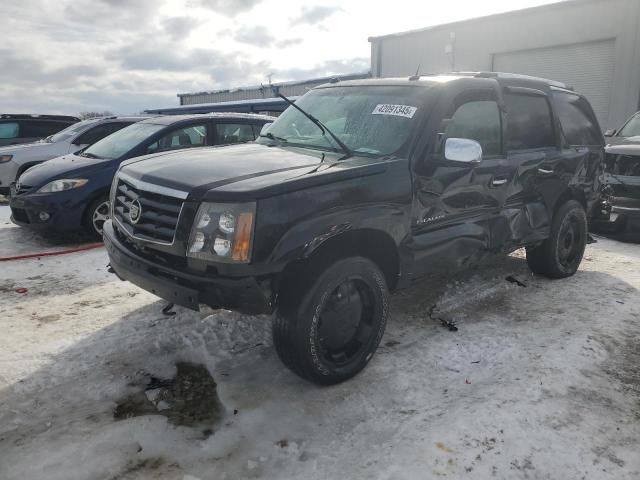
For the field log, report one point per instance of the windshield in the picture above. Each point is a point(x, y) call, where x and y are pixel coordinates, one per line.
point(632, 128)
point(371, 120)
point(119, 143)
point(70, 131)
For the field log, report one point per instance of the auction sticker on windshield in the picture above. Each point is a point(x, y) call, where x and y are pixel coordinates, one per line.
point(397, 110)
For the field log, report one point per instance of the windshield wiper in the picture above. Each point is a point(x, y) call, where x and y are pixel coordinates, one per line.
point(271, 136)
point(347, 151)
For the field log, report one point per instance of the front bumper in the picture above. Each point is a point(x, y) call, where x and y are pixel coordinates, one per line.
point(623, 218)
point(243, 294)
point(62, 213)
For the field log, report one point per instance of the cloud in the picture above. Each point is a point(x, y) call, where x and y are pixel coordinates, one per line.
point(258, 36)
point(315, 15)
point(178, 28)
point(229, 8)
point(288, 42)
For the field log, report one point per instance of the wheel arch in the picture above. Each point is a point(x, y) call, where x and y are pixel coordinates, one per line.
point(373, 244)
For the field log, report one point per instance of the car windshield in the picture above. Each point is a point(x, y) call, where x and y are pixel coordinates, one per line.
point(632, 128)
point(70, 131)
point(119, 143)
point(370, 120)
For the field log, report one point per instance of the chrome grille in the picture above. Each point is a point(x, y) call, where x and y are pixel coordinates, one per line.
point(144, 214)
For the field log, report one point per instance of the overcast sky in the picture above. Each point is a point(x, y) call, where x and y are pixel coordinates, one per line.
point(67, 56)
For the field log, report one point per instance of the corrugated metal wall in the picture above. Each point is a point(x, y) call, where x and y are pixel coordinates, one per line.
point(474, 44)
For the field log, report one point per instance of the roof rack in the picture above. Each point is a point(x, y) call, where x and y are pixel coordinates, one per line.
point(516, 76)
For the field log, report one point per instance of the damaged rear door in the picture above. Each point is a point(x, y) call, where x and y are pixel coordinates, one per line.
point(532, 154)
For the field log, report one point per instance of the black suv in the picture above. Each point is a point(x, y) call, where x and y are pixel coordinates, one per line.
point(15, 129)
point(358, 189)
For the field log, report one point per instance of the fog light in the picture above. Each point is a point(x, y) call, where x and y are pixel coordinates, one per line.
point(222, 246)
point(44, 216)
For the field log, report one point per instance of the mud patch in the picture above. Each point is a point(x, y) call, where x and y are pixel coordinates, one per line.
point(189, 399)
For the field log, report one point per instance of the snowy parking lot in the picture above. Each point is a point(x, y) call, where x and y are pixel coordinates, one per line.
point(540, 380)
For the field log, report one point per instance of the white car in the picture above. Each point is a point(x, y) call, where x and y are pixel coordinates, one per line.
point(15, 159)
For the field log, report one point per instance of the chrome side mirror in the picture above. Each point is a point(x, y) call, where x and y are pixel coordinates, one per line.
point(462, 150)
point(265, 128)
point(610, 133)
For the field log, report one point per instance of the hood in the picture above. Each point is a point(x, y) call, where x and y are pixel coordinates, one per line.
point(623, 140)
point(239, 168)
point(67, 166)
point(35, 152)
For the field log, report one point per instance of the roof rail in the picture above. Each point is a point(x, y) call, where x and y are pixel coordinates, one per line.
point(28, 116)
point(518, 76)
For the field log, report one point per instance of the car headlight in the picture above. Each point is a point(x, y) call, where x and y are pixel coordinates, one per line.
point(5, 158)
point(63, 184)
point(223, 232)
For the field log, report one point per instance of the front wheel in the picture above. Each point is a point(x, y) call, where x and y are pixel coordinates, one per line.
point(560, 255)
point(97, 214)
point(331, 331)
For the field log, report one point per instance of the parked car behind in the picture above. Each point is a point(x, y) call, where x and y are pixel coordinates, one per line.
point(382, 182)
point(15, 129)
point(18, 158)
point(619, 212)
point(71, 192)
point(628, 133)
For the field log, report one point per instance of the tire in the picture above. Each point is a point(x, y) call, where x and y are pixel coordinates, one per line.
point(96, 215)
point(310, 333)
point(560, 255)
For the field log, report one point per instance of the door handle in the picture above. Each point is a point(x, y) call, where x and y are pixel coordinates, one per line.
point(545, 171)
point(496, 182)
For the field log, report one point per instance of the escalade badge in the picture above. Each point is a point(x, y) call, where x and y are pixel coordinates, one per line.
point(135, 211)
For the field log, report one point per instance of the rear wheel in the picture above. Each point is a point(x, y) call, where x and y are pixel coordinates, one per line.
point(97, 213)
point(331, 330)
point(560, 255)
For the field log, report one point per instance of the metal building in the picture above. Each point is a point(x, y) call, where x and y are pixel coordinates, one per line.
point(592, 45)
point(289, 89)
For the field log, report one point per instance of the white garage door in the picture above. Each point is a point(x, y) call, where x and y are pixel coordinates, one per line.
point(587, 67)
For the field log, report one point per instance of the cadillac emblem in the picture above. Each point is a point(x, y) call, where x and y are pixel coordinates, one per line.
point(135, 211)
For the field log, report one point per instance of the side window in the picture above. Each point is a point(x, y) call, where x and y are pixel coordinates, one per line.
point(529, 123)
point(632, 128)
point(8, 130)
point(98, 133)
point(234, 133)
point(576, 117)
point(479, 121)
point(186, 137)
point(40, 129)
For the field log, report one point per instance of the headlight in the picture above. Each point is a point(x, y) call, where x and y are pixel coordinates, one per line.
point(63, 184)
point(223, 232)
point(5, 158)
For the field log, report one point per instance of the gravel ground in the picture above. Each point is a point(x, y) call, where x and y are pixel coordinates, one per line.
point(539, 381)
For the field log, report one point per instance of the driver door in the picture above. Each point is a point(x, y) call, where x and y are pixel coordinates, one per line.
point(456, 203)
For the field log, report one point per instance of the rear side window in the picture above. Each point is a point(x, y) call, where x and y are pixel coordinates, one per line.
point(187, 137)
point(576, 117)
point(529, 123)
point(99, 132)
point(40, 129)
point(8, 130)
point(479, 121)
point(234, 133)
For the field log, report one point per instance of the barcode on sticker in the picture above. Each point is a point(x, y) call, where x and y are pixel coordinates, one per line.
point(398, 110)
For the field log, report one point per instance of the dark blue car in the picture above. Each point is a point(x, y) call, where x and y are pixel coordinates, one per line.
point(71, 192)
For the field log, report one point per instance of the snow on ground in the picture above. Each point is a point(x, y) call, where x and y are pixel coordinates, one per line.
point(538, 382)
